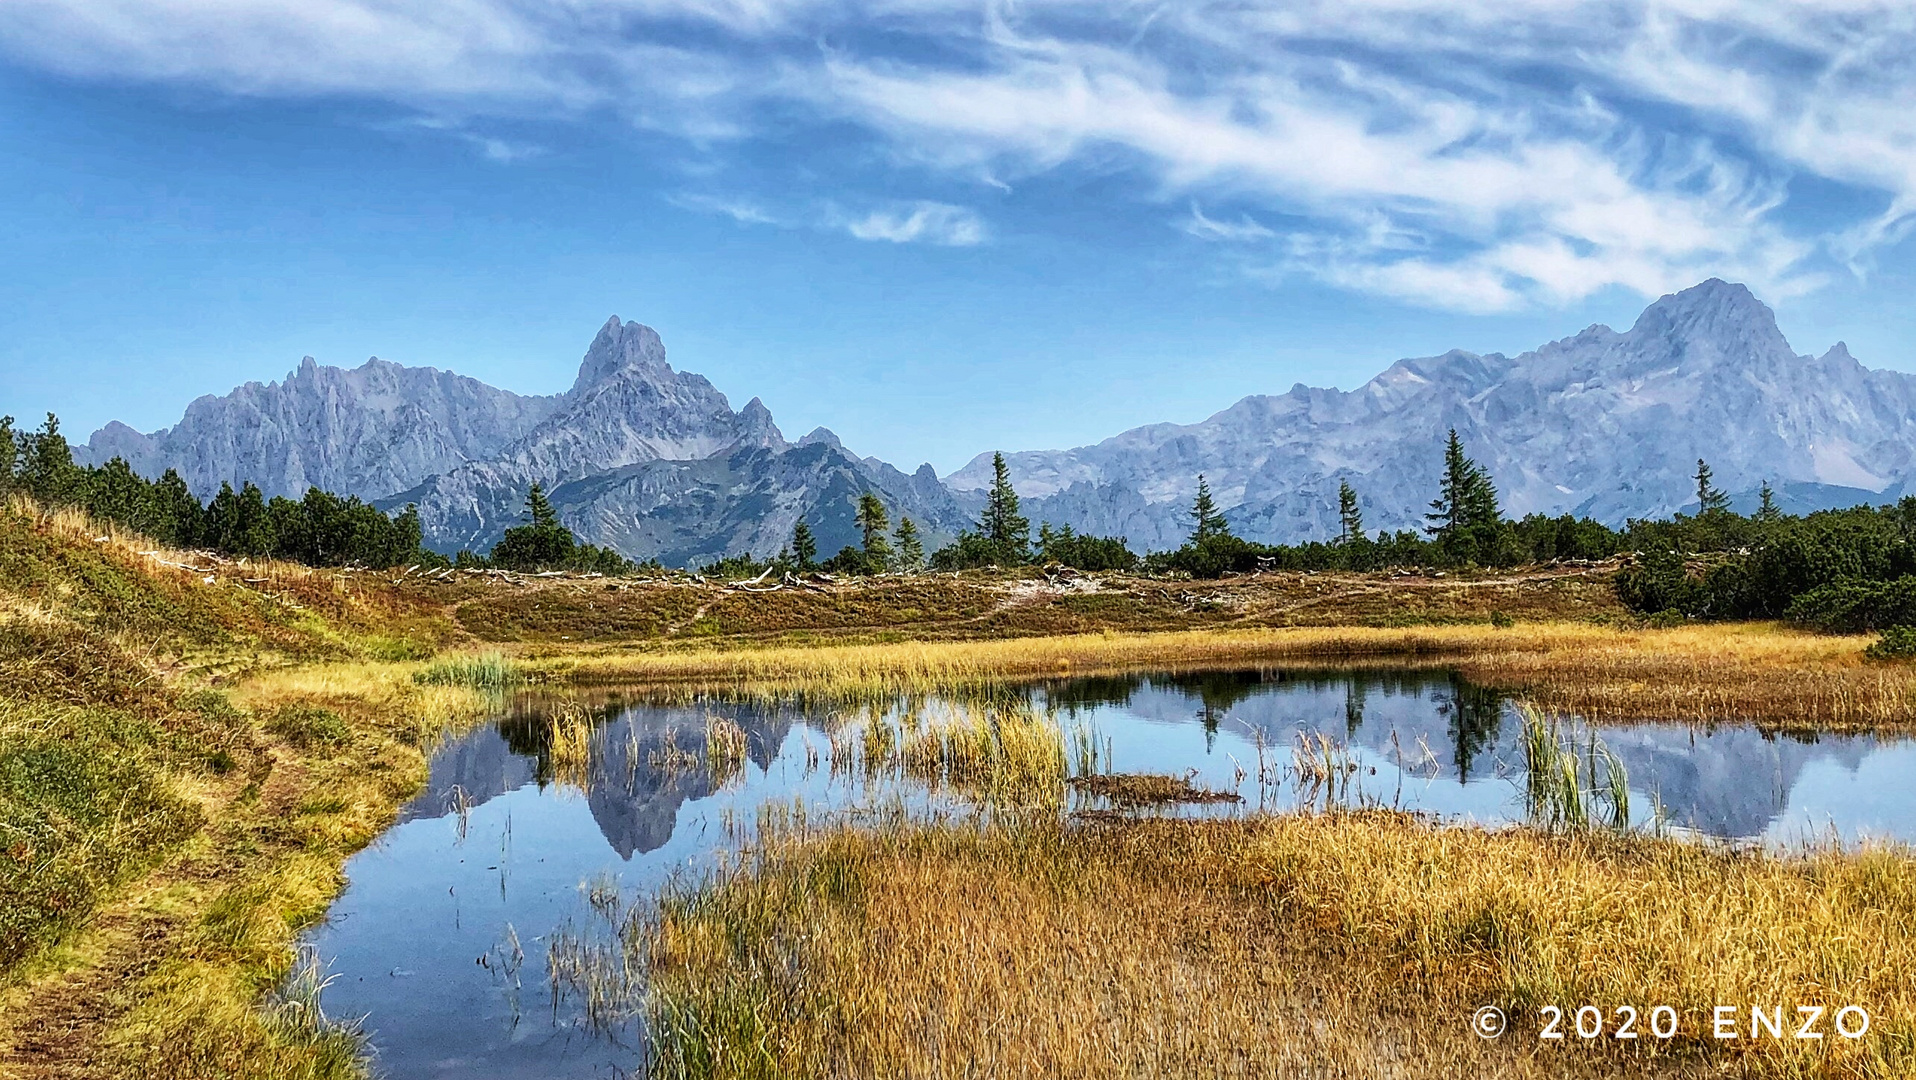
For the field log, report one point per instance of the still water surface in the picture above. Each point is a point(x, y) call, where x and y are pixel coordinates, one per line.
point(439, 940)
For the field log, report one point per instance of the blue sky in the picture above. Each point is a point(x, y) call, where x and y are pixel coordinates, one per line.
point(935, 227)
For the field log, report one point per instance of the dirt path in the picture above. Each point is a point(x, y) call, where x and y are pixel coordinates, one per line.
point(53, 1027)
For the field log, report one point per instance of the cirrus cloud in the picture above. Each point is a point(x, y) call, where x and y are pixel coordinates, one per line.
point(1481, 156)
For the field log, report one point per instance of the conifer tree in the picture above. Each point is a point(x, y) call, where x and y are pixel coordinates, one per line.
point(539, 508)
point(118, 495)
point(1480, 500)
point(1449, 511)
point(543, 543)
point(1766, 508)
point(47, 470)
point(804, 545)
point(1206, 522)
point(1350, 517)
point(1709, 499)
point(911, 550)
point(176, 513)
point(1002, 525)
point(872, 522)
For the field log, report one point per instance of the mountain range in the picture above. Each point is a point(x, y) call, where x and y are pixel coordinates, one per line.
point(656, 463)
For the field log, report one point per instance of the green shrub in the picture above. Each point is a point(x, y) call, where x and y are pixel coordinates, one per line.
point(1856, 606)
point(398, 650)
point(309, 726)
point(1897, 643)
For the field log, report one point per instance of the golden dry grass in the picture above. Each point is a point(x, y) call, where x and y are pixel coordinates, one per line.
point(1756, 672)
point(1353, 945)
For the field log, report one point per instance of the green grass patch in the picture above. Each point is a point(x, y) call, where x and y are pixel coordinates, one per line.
point(484, 671)
point(77, 815)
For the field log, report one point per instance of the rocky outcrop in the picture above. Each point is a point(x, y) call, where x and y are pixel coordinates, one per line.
point(657, 464)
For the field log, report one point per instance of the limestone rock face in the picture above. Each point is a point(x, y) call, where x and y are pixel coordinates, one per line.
point(638, 456)
point(368, 431)
point(1603, 423)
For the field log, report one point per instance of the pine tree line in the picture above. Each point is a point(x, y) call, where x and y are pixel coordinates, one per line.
point(320, 529)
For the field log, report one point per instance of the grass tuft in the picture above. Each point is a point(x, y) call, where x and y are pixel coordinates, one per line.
point(485, 672)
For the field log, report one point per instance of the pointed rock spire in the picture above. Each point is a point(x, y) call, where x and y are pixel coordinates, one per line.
point(618, 347)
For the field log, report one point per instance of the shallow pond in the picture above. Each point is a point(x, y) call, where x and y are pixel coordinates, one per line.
point(439, 941)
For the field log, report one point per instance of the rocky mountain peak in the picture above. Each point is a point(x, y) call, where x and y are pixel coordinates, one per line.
point(621, 346)
point(1601, 423)
point(822, 435)
point(756, 428)
point(1721, 313)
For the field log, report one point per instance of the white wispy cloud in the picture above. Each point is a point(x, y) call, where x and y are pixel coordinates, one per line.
point(743, 211)
point(1483, 155)
point(922, 221)
point(1240, 230)
point(930, 222)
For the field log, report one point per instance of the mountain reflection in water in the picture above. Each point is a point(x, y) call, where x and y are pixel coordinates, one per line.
point(1437, 730)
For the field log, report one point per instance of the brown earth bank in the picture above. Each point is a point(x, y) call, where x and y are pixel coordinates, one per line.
point(191, 747)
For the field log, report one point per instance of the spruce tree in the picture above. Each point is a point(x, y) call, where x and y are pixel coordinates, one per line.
point(1002, 525)
point(1480, 500)
point(804, 546)
point(177, 514)
point(539, 508)
point(118, 495)
point(1766, 508)
point(1350, 517)
point(46, 466)
point(1447, 511)
point(911, 550)
point(1709, 499)
point(543, 543)
point(1206, 522)
point(872, 522)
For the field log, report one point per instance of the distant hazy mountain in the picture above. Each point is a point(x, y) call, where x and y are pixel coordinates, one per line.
point(656, 463)
point(1604, 423)
point(368, 431)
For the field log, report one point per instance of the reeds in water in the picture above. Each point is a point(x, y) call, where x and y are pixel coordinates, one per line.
point(1567, 787)
point(569, 746)
point(1008, 754)
point(725, 746)
point(1326, 771)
